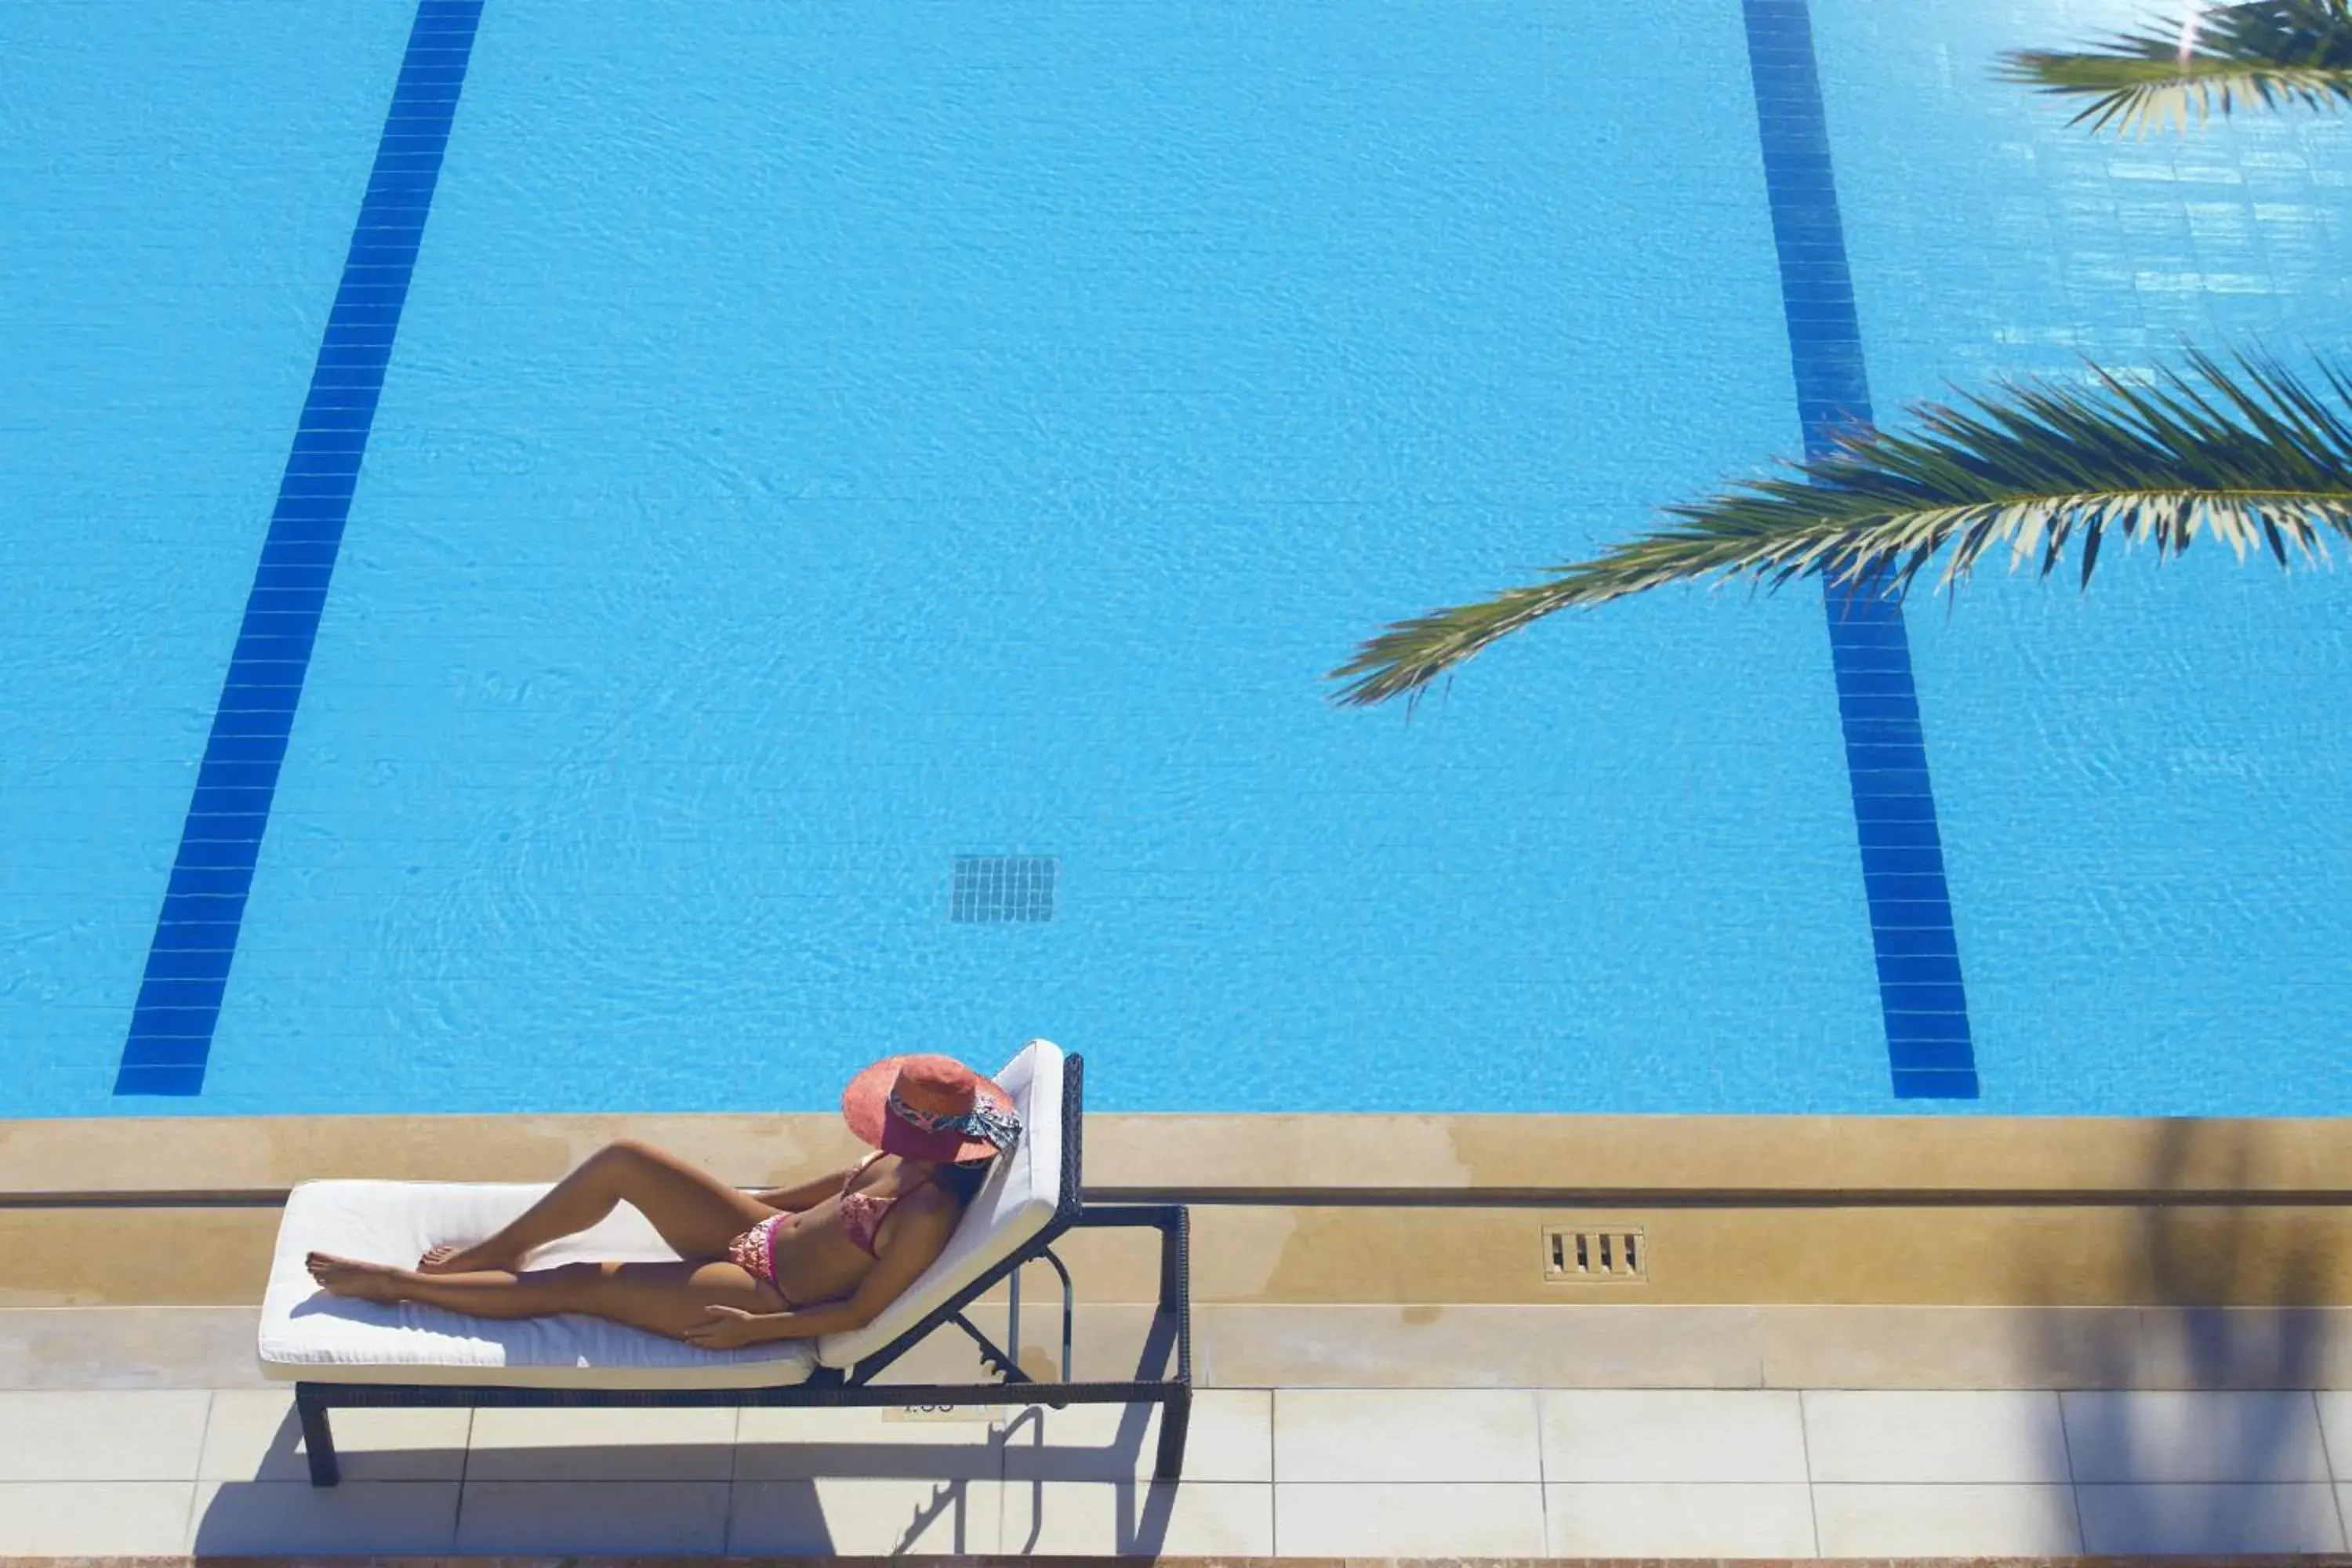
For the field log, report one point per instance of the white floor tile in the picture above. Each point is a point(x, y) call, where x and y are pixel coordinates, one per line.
point(1197, 1518)
point(883, 1442)
point(2185, 1518)
point(1436, 1520)
point(2335, 1426)
point(2007, 1437)
point(2143, 1436)
point(129, 1347)
point(864, 1517)
point(1405, 1435)
point(1671, 1435)
point(605, 1519)
point(94, 1519)
point(252, 1436)
point(146, 1435)
point(1954, 1520)
point(1678, 1519)
point(1231, 1438)
point(355, 1519)
point(648, 1445)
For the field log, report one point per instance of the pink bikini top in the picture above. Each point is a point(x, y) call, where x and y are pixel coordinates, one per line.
point(862, 1214)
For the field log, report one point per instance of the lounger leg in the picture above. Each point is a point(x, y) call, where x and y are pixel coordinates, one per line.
point(1175, 1416)
point(318, 1438)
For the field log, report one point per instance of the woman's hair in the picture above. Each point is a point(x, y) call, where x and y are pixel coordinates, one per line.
point(962, 1181)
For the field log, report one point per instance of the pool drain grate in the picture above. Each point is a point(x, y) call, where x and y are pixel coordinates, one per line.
point(998, 889)
point(1616, 1253)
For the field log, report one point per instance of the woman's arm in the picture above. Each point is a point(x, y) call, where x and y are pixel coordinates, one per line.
point(808, 1195)
point(800, 1324)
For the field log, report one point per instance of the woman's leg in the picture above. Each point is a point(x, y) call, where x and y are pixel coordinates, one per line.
point(661, 1298)
point(696, 1212)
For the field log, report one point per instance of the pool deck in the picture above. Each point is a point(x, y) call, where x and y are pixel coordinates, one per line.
point(1321, 1472)
point(1917, 1338)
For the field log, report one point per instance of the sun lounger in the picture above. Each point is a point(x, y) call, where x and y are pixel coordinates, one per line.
point(340, 1352)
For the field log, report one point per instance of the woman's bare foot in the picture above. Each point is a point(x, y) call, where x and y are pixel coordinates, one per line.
point(451, 1259)
point(350, 1277)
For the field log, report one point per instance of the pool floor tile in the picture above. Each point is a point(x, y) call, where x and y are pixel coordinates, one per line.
point(1429, 1519)
point(2013, 1437)
point(144, 1436)
point(1405, 1435)
point(863, 1515)
point(355, 1519)
point(1679, 1519)
point(2206, 1518)
point(94, 1519)
point(1671, 1435)
point(252, 1436)
point(1950, 1521)
point(598, 1518)
point(1197, 1518)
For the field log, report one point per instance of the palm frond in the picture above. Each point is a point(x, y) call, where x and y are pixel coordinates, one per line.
point(2271, 52)
point(2253, 455)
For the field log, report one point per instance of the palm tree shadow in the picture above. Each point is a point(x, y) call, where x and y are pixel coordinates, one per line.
point(2227, 1299)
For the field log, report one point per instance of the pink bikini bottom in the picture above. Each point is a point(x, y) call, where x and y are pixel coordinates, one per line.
point(754, 1252)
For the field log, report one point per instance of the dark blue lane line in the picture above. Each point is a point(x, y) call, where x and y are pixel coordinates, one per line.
point(171, 1036)
point(1919, 988)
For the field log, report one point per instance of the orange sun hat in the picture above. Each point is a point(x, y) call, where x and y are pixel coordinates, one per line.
point(930, 1108)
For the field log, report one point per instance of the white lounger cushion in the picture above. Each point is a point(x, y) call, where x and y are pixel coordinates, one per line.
point(311, 1336)
point(307, 1336)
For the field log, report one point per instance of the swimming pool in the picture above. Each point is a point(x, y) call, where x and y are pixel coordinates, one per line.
point(838, 473)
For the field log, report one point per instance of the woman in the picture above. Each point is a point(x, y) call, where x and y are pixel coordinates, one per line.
point(819, 1258)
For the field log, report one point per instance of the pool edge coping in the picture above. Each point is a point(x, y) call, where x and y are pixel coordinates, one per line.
point(1294, 1158)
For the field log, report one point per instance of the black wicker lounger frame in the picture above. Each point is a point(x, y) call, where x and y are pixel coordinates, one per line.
point(835, 1387)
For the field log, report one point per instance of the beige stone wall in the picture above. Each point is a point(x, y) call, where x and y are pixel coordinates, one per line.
point(1417, 1212)
point(1332, 1156)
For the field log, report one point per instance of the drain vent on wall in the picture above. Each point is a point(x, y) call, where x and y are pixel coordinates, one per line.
point(991, 890)
point(1603, 1253)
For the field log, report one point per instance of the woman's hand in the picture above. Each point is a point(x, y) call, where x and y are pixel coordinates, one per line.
point(726, 1328)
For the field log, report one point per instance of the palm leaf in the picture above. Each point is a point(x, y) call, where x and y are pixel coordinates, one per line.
point(2270, 52)
point(2256, 456)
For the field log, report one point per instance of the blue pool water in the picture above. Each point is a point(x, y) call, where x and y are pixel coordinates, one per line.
point(821, 444)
